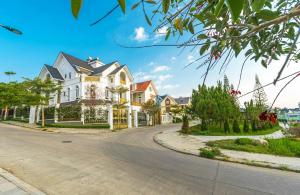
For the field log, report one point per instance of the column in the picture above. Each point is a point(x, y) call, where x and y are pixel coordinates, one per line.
point(32, 114)
point(135, 117)
point(110, 117)
point(129, 118)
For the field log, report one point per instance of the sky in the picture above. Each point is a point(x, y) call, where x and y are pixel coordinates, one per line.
point(48, 27)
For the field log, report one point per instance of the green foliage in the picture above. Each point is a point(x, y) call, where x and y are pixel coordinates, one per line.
point(69, 113)
point(246, 126)
point(75, 6)
point(226, 127)
point(282, 147)
point(89, 126)
point(185, 124)
point(209, 152)
point(236, 127)
point(253, 125)
point(203, 125)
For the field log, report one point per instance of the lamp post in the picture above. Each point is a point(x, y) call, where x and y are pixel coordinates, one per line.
point(11, 29)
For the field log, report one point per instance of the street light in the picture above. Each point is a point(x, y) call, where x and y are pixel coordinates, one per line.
point(11, 29)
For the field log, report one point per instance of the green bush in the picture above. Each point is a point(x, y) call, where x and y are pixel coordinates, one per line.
point(246, 126)
point(209, 153)
point(243, 141)
point(185, 124)
point(203, 125)
point(236, 127)
point(90, 126)
point(226, 127)
point(253, 125)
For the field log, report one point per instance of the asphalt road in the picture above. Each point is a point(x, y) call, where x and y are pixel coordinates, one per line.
point(128, 162)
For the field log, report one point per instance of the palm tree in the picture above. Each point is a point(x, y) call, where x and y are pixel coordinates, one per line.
point(9, 74)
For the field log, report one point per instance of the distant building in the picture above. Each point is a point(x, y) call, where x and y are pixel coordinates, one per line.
point(166, 102)
point(183, 101)
point(142, 92)
point(290, 115)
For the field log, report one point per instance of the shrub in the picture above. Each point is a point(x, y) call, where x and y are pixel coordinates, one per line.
point(75, 126)
point(253, 125)
point(243, 141)
point(209, 153)
point(295, 131)
point(203, 125)
point(177, 120)
point(185, 124)
point(246, 126)
point(236, 127)
point(226, 127)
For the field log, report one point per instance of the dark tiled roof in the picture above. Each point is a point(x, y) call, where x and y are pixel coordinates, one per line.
point(182, 100)
point(116, 70)
point(54, 72)
point(102, 68)
point(77, 62)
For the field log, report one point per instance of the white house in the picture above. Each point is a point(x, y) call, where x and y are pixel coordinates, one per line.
point(89, 80)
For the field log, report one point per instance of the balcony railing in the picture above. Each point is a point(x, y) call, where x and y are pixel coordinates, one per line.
point(123, 82)
point(123, 100)
point(136, 104)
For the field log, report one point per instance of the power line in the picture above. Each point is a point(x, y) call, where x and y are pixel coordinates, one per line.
point(271, 83)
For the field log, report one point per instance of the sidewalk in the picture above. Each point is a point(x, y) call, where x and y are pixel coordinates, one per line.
point(10, 184)
point(188, 144)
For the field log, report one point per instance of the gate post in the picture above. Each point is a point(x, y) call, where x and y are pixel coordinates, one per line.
point(32, 114)
point(135, 118)
point(129, 118)
point(110, 117)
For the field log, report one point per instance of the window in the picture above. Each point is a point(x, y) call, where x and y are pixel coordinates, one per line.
point(70, 75)
point(65, 76)
point(77, 91)
point(140, 99)
point(111, 80)
point(150, 89)
point(122, 78)
point(93, 92)
point(106, 94)
point(64, 94)
point(69, 94)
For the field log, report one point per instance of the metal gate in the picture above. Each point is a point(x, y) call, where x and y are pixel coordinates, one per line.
point(120, 119)
point(142, 119)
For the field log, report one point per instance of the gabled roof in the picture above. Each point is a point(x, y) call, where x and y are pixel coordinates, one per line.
point(142, 86)
point(182, 100)
point(54, 72)
point(115, 71)
point(74, 61)
point(102, 68)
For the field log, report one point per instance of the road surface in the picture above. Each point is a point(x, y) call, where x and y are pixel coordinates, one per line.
point(128, 162)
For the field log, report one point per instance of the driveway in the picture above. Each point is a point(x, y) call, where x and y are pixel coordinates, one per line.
point(128, 162)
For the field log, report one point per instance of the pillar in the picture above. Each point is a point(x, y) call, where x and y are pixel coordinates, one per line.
point(135, 118)
point(110, 117)
point(32, 114)
point(129, 118)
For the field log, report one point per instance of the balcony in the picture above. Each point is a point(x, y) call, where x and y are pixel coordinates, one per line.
point(122, 82)
point(123, 100)
point(136, 104)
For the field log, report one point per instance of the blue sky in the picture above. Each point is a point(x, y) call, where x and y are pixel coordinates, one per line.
point(49, 28)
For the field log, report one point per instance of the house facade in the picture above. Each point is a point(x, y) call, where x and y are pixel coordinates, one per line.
point(91, 82)
point(166, 102)
point(143, 92)
point(183, 102)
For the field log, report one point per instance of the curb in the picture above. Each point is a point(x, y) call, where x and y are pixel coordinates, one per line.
point(19, 183)
point(227, 159)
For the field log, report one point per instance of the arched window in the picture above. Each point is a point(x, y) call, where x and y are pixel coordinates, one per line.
point(123, 78)
point(69, 93)
point(48, 76)
point(77, 91)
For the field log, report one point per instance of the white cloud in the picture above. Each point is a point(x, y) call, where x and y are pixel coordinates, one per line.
point(161, 32)
point(162, 78)
point(142, 76)
point(151, 63)
point(169, 86)
point(161, 68)
point(140, 34)
point(173, 58)
point(190, 58)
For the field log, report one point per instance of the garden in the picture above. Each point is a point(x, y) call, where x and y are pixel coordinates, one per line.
point(220, 113)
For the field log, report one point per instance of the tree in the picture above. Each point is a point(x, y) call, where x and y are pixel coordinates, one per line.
point(151, 108)
point(235, 126)
point(264, 29)
point(40, 93)
point(259, 95)
point(9, 74)
point(246, 126)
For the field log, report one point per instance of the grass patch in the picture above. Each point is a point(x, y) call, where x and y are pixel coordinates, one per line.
point(209, 152)
point(79, 126)
point(282, 147)
point(217, 131)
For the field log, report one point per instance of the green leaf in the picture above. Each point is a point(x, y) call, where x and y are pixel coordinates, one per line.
point(235, 7)
point(165, 5)
point(76, 5)
point(264, 63)
point(191, 28)
point(135, 5)
point(148, 20)
point(204, 48)
point(150, 1)
point(267, 15)
point(122, 4)
point(218, 8)
point(257, 5)
point(168, 34)
point(202, 36)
